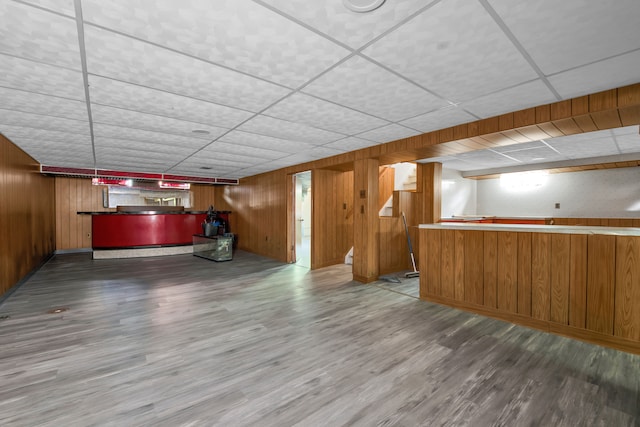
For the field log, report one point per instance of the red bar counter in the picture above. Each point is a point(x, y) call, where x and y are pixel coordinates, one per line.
point(112, 230)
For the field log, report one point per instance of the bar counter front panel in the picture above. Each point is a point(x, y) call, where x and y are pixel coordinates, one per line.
point(124, 230)
point(581, 282)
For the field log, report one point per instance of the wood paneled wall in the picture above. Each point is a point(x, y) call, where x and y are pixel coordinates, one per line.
point(203, 196)
point(74, 195)
point(386, 185)
point(332, 237)
point(601, 222)
point(27, 219)
point(259, 213)
point(394, 253)
point(578, 285)
point(366, 243)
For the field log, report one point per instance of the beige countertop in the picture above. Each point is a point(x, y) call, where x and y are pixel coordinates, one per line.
point(560, 229)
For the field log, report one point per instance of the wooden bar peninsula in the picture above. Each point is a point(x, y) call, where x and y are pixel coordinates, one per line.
point(577, 281)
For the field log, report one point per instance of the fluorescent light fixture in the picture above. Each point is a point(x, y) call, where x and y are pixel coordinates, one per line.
point(174, 185)
point(522, 181)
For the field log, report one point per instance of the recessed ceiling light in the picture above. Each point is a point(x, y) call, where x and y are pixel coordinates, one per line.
point(206, 167)
point(201, 131)
point(362, 6)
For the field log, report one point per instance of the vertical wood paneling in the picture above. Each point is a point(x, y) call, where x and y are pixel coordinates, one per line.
point(459, 239)
point(433, 245)
point(365, 222)
point(75, 195)
point(447, 265)
point(560, 278)
point(393, 246)
point(578, 281)
point(203, 196)
point(386, 185)
point(540, 275)
point(331, 225)
point(72, 217)
point(27, 215)
point(524, 274)
point(473, 267)
point(491, 269)
point(627, 288)
point(600, 283)
point(429, 185)
point(507, 283)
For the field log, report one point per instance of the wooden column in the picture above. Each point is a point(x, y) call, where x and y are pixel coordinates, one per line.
point(429, 189)
point(365, 221)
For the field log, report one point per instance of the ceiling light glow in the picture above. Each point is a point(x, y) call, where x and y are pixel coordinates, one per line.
point(523, 181)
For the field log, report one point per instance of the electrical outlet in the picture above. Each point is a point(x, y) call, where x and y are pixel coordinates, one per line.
point(557, 205)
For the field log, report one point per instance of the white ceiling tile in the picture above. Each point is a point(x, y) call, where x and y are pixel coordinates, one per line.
point(366, 87)
point(353, 29)
point(439, 119)
point(611, 73)
point(315, 153)
point(55, 153)
point(325, 115)
point(197, 163)
point(486, 158)
point(218, 32)
point(627, 130)
point(570, 33)
point(578, 149)
point(65, 7)
point(132, 166)
point(209, 173)
point(284, 129)
point(138, 98)
point(126, 59)
point(537, 155)
point(258, 154)
point(18, 118)
point(513, 99)
point(350, 144)
point(134, 119)
point(518, 147)
point(34, 34)
point(120, 132)
point(104, 143)
point(629, 143)
point(30, 102)
point(262, 141)
point(388, 133)
point(16, 133)
point(454, 49)
point(33, 76)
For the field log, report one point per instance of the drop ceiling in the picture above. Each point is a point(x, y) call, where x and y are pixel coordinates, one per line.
point(233, 88)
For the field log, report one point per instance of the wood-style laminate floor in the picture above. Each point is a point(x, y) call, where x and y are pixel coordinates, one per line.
point(184, 341)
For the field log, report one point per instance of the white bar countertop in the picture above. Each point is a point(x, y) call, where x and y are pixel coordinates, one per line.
point(560, 229)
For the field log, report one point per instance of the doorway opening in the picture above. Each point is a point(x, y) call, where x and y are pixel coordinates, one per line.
point(302, 217)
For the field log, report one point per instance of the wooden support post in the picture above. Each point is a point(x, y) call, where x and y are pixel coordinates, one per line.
point(365, 221)
point(429, 189)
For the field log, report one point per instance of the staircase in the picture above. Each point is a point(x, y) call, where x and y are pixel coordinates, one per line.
point(408, 177)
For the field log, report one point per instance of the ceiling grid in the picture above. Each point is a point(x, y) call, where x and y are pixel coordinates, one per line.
point(234, 88)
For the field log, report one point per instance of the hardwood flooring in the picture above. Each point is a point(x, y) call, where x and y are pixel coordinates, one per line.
point(184, 341)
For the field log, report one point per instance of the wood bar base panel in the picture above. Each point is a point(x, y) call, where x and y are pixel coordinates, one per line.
point(582, 285)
